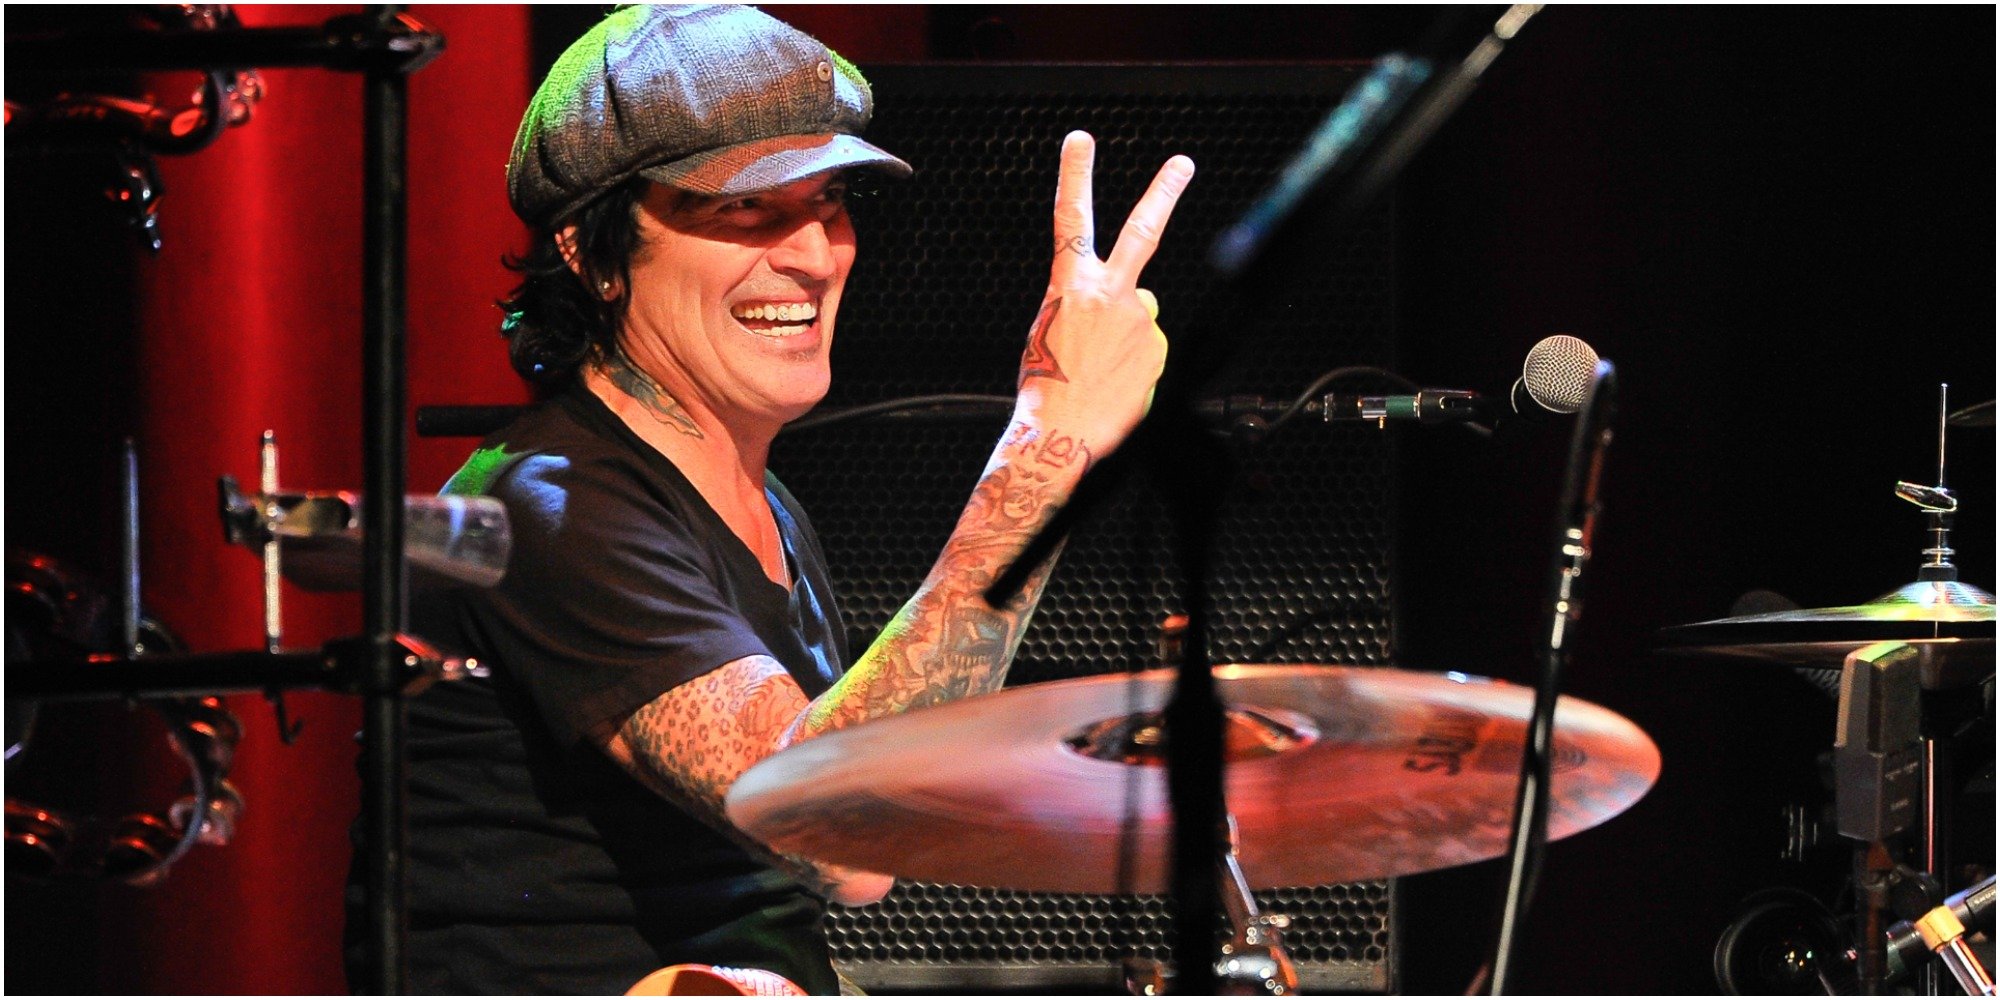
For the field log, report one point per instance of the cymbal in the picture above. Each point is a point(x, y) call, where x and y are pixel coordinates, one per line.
point(1334, 774)
point(1955, 617)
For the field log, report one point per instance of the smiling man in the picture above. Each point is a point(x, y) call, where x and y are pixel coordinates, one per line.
point(666, 620)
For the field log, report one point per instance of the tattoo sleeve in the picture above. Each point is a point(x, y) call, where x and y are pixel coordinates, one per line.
point(690, 744)
point(946, 643)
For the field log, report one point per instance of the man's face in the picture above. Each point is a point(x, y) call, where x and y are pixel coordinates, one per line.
point(733, 299)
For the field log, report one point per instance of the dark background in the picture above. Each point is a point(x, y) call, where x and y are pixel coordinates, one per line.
point(1778, 223)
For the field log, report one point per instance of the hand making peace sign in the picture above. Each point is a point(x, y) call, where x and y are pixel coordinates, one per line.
point(1094, 351)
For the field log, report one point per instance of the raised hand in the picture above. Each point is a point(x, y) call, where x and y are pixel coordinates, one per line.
point(1094, 351)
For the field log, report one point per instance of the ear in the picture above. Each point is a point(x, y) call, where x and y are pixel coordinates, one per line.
point(565, 239)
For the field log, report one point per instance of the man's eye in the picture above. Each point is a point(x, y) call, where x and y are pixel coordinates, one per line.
point(743, 205)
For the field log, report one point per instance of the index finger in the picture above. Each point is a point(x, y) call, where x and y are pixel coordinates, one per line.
point(1074, 226)
point(1141, 235)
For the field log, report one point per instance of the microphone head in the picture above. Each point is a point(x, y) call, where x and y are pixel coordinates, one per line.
point(1558, 373)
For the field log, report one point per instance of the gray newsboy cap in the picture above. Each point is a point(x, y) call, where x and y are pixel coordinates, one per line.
point(719, 100)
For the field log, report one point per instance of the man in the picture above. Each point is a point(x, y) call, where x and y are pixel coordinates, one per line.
point(666, 620)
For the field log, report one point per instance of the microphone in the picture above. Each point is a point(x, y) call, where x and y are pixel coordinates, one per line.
point(1555, 378)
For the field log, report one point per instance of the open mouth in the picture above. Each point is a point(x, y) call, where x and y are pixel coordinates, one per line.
point(776, 319)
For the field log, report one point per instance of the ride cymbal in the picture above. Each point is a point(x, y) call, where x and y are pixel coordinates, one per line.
point(1334, 774)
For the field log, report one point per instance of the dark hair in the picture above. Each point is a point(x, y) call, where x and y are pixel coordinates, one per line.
point(556, 320)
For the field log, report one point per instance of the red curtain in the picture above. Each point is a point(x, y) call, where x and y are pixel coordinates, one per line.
point(252, 320)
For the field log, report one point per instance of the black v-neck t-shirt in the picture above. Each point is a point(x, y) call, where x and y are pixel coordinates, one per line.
point(536, 864)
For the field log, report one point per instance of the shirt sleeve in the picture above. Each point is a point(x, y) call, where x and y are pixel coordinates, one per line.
point(612, 597)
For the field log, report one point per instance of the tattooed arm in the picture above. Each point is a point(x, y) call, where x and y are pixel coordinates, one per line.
point(1086, 378)
point(692, 743)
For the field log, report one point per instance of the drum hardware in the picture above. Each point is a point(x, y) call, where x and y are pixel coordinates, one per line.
point(138, 129)
point(314, 539)
point(1941, 931)
point(1882, 769)
point(1252, 961)
point(384, 46)
point(59, 634)
point(55, 617)
point(334, 667)
point(1906, 659)
point(67, 621)
point(452, 541)
point(1786, 941)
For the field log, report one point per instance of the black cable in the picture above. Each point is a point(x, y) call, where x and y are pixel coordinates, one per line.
point(1336, 375)
point(947, 404)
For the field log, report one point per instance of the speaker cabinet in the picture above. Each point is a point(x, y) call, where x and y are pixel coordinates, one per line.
point(952, 267)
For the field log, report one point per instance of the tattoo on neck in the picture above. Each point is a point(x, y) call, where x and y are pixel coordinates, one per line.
point(648, 393)
point(1038, 360)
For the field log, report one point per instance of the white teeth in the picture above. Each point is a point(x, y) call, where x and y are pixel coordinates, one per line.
point(783, 331)
point(792, 312)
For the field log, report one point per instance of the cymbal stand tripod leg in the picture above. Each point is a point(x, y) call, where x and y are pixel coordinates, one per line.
point(1254, 960)
point(1252, 963)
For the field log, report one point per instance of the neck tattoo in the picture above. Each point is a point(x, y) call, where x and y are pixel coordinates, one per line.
point(648, 393)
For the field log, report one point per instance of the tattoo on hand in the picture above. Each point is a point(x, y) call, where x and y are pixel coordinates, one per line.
point(1037, 361)
point(1077, 245)
point(641, 387)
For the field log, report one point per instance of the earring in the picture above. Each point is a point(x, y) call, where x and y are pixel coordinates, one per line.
point(604, 286)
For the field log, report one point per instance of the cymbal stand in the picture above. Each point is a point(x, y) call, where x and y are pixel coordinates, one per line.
point(1253, 961)
point(1938, 505)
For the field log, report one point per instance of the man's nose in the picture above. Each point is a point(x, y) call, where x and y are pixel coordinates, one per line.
point(806, 251)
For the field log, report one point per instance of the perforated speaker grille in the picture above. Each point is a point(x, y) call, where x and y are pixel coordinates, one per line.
point(952, 267)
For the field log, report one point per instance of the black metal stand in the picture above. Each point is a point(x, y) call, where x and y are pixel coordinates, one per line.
point(384, 605)
point(1191, 485)
point(1575, 527)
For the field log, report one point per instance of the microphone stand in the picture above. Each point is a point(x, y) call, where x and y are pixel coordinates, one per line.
point(1575, 527)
